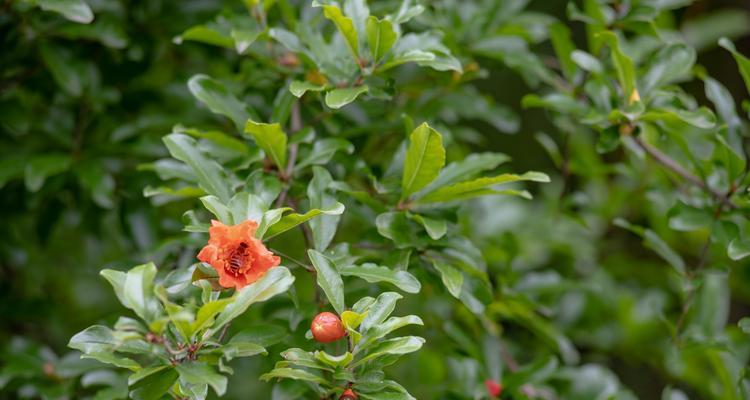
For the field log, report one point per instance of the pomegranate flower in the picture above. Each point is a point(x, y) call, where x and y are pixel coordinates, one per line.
point(237, 256)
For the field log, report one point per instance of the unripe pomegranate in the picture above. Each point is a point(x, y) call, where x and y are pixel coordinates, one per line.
point(348, 395)
point(327, 327)
point(493, 387)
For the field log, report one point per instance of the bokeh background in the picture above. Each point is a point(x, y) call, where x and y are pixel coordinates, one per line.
point(83, 109)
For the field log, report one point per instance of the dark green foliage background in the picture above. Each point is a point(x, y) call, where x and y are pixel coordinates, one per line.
point(83, 110)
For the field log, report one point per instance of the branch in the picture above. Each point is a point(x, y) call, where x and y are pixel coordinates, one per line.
point(672, 165)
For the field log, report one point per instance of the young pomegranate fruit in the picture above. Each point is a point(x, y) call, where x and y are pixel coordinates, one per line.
point(327, 327)
point(493, 387)
point(348, 395)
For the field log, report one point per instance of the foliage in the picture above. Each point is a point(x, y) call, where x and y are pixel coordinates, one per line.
point(364, 140)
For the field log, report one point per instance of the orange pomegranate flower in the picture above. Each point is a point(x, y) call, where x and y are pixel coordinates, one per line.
point(237, 256)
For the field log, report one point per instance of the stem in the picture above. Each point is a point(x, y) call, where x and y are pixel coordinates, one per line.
point(224, 331)
point(678, 169)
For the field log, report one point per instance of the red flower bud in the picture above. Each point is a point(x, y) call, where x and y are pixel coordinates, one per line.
point(327, 327)
point(493, 387)
point(348, 395)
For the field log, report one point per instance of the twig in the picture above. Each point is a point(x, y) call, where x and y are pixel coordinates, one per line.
point(224, 332)
point(678, 169)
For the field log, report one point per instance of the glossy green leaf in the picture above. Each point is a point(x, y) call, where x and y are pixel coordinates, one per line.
point(337, 98)
point(623, 64)
point(299, 88)
point(397, 346)
point(373, 273)
point(564, 47)
point(74, 10)
point(738, 249)
point(380, 37)
point(197, 373)
point(289, 221)
point(452, 278)
point(425, 157)
point(436, 228)
point(323, 227)
point(328, 279)
point(481, 187)
point(276, 281)
point(293, 373)
point(218, 99)
point(210, 175)
point(271, 138)
point(154, 386)
point(465, 169)
point(345, 27)
point(380, 309)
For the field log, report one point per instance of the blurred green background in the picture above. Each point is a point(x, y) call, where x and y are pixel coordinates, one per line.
point(83, 107)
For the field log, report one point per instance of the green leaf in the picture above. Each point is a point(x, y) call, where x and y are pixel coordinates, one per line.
point(686, 218)
point(138, 291)
point(218, 99)
point(467, 168)
point(210, 175)
point(69, 73)
point(652, 241)
point(74, 10)
point(299, 88)
point(277, 280)
point(564, 47)
point(324, 227)
point(623, 64)
point(397, 346)
point(743, 63)
point(379, 310)
point(206, 314)
point(323, 150)
point(587, 62)
point(289, 221)
point(244, 206)
point(334, 361)
point(380, 37)
point(452, 278)
point(671, 64)
point(744, 325)
point(425, 157)
point(328, 279)
point(704, 30)
point(293, 373)
point(738, 249)
point(702, 118)
point(206, 34)
point(154, 386)
point(218, 209)
point(337, 98)
point(41, 167)
point(261, 334)
point(481, 187)
point(390, 325)
point(345, 27)
point(352, 319)
point(197, 373)
point(373, 273)
point(271, 138)
point(436, 228)
point(98, 342)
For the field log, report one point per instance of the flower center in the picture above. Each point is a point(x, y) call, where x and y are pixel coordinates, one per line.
point(239, 259)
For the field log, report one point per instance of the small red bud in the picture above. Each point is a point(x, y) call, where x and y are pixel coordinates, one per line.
point(348, 395)
point(493, 387)
point(327, 327)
